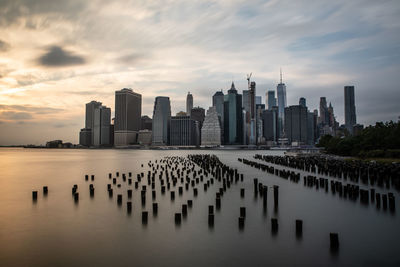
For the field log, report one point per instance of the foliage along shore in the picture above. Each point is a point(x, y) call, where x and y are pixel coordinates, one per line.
point(374, 142)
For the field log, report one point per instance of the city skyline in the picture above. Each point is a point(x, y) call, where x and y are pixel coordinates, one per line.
point(196, 47)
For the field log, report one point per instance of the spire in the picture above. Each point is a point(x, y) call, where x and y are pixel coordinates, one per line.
point(281, 75)
point(233, 89)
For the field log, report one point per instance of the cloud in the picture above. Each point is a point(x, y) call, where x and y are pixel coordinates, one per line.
point(12, 11)
point(29, 109)
point(132, 58)
point(4, 46)
point(90, 93)
point(64, 125)
point(56, 56)
point(15, 116)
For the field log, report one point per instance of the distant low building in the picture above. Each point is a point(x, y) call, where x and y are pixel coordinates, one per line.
point(181, 113)
point(85, 137)
point(357, 129)
point(54, 144)
point(144, 137)
point(146, 123)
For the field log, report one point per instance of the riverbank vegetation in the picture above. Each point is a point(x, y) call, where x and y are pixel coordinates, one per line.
point(379, 141)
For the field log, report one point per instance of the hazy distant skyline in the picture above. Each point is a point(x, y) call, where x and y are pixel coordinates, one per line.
point(55, 56)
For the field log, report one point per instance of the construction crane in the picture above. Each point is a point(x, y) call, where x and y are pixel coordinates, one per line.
point(248, 79)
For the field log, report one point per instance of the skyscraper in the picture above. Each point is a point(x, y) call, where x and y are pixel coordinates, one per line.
point(182, 131)
point(349, 108)
point(296, 124)
point(101, 128)
point(302, 102)
point(90, 107)
point(189, 103)
point(246, 117)
point(211, 130)
point(218, 103)
point(128, 113)
point(161, 120)
point(271, 100)
point(281, 94)
point(270, 129)
point(323, 111)
point(198, 114)
point(258, 100)
point(253, 119)
point(233, 117)
point(259, 110)
point(86, 134)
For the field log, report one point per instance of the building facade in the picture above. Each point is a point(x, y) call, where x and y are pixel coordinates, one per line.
point(349, 108)
point(282, 103)
point(233, 117)
point(211, 130)
point(189, 103)
point(271, 128)
point(101, 128)
point(128, 113)
point(86, 135)
point(271, 100)
point(161, 120)
point(182, 131)
point(296, 124)
point(302, 102)
point(146, 123)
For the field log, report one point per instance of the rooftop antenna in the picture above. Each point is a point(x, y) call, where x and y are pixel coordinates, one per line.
point(248, 79)
point(281, 75)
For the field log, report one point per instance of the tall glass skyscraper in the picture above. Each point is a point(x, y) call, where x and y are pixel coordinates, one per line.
point(218, 103)
point(233, 127)
point(271, 100)
point(349, 108)
point(281, 94)
point(161, 120)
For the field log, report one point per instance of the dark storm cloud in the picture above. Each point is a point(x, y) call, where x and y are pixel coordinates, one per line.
point(56, 56)
point(4, 46)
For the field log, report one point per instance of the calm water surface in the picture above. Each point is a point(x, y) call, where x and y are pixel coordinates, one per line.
point(55, 231)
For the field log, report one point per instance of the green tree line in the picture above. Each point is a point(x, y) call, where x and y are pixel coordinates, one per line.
point(379, 141)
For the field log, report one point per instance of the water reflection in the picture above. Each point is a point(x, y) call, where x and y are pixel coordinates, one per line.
point(27, 227)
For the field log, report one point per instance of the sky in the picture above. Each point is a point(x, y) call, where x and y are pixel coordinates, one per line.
point(55, 56)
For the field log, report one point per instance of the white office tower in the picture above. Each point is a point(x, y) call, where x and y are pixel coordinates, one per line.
point(128, 113)
point(211, 130)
